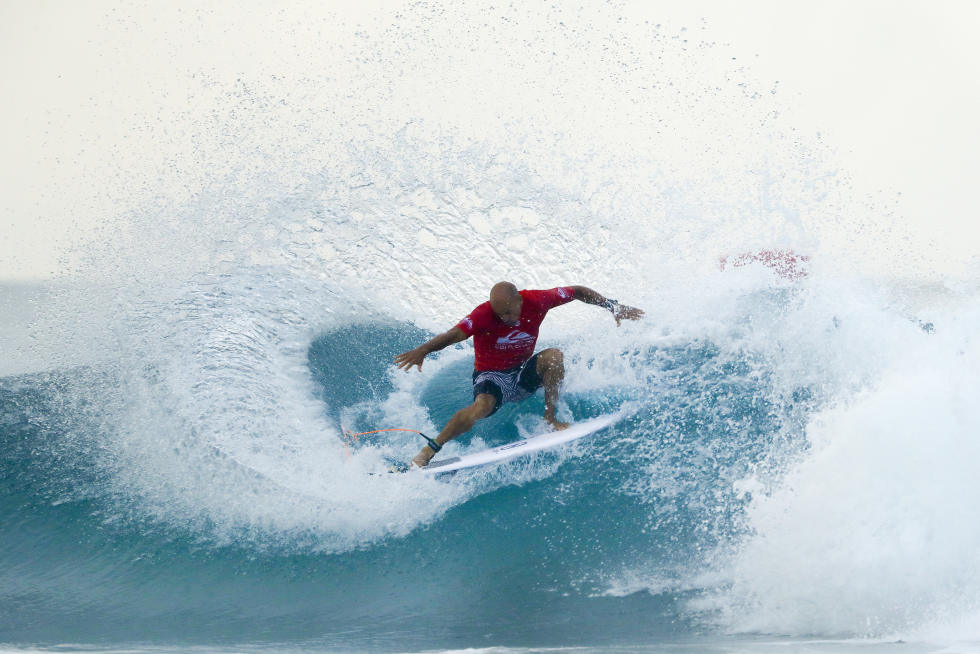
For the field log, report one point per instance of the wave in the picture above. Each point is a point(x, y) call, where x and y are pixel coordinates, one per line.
point(212, 444)
point(796, 460)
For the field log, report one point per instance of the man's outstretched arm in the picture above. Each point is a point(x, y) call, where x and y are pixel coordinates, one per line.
point(414, 357)
point(619, 311)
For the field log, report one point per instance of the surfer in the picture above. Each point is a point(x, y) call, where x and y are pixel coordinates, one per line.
point(504, 332)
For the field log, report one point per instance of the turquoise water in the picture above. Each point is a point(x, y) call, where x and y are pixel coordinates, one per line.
point(187, 505)
point(522, 561)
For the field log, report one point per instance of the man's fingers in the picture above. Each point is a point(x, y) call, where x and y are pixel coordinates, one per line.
point(406, 360)
point(627, 313)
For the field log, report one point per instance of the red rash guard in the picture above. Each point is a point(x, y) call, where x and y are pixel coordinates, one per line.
point(500, 346)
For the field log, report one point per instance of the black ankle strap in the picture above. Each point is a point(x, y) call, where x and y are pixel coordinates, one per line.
point(434, 445)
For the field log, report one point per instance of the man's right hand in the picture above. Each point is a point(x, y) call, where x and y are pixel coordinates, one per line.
point(406, 360)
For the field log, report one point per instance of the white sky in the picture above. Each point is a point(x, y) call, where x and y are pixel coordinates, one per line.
point(894, 86)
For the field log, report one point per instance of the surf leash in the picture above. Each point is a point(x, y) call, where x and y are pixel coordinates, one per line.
point(429, 441)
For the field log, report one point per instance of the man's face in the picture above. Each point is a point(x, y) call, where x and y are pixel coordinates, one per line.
point(509, 311)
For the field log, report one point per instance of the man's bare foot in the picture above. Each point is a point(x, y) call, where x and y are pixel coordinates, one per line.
point(421, 460)
point(557, 425)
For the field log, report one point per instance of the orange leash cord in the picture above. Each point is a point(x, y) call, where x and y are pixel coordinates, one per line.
point(351, 437)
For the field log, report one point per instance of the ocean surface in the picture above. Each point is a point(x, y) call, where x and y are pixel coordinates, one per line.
point(797, 471)
point(797, 466)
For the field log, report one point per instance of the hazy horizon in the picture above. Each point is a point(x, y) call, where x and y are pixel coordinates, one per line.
point(98, 121)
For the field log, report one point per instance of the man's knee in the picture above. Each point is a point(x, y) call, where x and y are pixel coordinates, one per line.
point(549, 360)
point(483, 405)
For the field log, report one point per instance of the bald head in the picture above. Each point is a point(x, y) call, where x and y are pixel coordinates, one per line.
point(503, 292)
point(506, 302)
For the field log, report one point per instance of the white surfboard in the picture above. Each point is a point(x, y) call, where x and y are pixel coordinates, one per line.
point(524, 446)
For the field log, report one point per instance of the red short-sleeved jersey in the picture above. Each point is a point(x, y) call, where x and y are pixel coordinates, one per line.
point(500, 346)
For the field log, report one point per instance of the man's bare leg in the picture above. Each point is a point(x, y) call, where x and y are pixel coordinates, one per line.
point(551, 370)
point(460, 423)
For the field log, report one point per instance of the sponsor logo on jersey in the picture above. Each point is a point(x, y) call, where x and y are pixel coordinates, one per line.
point(563, 293)
point(515, 337)
point(467, 322)
point(515, 340)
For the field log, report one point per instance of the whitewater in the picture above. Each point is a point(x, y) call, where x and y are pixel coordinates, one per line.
point(797, 468)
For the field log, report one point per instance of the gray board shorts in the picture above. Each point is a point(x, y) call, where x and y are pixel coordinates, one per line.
point(511, 385)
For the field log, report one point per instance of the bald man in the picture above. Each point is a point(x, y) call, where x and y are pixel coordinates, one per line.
point(504, 332)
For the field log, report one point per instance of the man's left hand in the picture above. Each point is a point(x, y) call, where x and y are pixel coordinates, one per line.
point(624, 312)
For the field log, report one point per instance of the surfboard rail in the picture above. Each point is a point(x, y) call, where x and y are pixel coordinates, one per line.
point(536, 443)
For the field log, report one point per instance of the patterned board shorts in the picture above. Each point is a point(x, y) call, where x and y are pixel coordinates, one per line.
point(511, 385)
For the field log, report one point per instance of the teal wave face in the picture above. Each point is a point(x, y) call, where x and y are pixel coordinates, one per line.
point(350, 364)
point(521, 562)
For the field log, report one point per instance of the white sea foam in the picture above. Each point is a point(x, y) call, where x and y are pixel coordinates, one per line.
point(873, 532)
